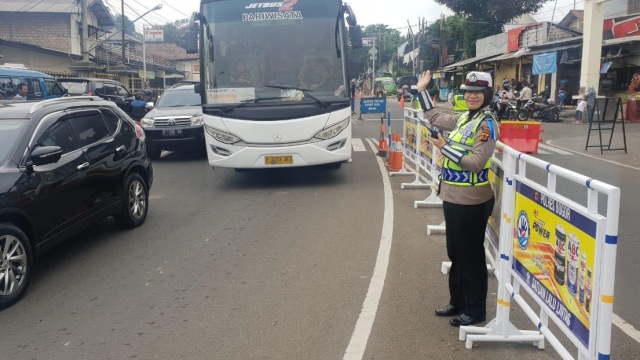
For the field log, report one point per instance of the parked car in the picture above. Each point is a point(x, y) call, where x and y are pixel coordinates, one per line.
point(405, 83)
point(107, 89)
point(64, 164)
point(175, 122)
point(41, 86)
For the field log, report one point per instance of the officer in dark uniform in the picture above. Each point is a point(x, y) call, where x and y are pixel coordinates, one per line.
point(466, 193)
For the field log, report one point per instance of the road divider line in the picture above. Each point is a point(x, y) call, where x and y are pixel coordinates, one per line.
point(358, 145)
point(550, 142)
point(360, 336)
point(626, 327)
point(554, 149)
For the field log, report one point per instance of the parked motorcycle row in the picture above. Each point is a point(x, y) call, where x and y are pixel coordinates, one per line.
point(536, 108)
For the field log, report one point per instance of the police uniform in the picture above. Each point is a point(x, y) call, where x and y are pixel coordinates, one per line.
point(467, 200)
point(459, 105)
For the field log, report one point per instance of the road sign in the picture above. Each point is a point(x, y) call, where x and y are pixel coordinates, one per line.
point(373, 105)
point(373, 51)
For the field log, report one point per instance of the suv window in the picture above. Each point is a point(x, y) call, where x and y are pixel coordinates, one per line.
point(35, 91)
point(9, 85)
point(58, 134)
point(88, 127)
point(105, 89)
point(122, 91)
point(53, 88)
point(112, 121)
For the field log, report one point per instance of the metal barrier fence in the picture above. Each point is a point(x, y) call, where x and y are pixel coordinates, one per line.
point(560, 252)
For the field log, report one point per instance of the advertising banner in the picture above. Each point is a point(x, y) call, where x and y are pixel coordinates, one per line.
point(554, 253)
point(496, 175)
point(545, 63)
point(153, 35)
point(410, 133)
point(426, 148)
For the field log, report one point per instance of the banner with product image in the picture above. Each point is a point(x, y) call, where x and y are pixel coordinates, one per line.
point(554, 249)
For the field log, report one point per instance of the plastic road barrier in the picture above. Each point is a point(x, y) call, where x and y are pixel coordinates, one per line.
point(522, 136)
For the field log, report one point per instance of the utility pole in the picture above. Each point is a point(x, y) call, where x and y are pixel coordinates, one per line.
point(123, 36)
point(413, 41)
point(591, 44)
point(85, 32)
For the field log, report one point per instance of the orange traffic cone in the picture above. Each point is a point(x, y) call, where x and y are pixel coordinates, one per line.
point(395, 153)
point(402, 101)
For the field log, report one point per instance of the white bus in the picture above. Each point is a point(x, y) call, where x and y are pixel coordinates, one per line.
point(273, 82)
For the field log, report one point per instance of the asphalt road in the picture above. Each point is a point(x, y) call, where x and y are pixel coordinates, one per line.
point(265, 265)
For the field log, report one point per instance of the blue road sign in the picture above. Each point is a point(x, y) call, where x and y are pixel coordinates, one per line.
point(375, 105)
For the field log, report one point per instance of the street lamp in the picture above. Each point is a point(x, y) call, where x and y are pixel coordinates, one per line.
point(157, 7)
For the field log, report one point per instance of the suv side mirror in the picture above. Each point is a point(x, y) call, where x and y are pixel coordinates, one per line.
point(196, 88)
point(45, 155)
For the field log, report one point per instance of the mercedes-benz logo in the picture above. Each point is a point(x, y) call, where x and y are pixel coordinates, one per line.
point(171, 121)
point(277, 137)
point(473, 78)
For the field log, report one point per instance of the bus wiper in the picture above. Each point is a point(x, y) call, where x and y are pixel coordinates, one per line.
point(306, 92)
point(244, 103)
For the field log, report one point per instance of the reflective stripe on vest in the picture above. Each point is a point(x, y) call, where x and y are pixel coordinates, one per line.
point(462, 138)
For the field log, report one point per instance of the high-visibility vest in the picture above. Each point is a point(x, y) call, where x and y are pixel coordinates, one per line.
point(462, 139)
point(459, 105)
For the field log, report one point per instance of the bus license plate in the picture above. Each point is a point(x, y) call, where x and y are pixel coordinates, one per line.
point(278, 160)
point(172, 132)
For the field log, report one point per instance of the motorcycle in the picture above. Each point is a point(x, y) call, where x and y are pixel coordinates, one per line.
point(544, 113)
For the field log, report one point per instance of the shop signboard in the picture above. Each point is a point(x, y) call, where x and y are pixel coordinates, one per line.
point(555, 255)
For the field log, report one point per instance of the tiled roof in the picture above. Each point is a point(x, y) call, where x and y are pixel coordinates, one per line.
point(169, 51)
point(58, 6)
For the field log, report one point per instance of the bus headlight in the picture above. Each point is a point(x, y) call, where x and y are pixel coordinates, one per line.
point(196, 120)
point(221, 136)
point(334, 130)
point(146, 122)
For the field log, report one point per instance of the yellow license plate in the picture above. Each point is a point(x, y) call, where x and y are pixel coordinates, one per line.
point(278, 160)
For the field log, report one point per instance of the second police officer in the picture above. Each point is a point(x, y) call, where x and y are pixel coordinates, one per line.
point(466, 193)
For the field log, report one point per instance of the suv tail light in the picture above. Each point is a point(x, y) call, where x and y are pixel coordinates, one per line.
point(139, 131)
point(90, 93)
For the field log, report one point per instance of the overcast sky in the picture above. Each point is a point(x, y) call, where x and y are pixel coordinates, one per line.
point(393, 13)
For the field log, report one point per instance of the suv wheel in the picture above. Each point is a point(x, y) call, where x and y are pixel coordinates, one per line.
point(135, 199)
point(15, 264)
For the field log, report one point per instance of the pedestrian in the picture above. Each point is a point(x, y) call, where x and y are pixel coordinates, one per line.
point(467, 197)
point(590, 98)
point(22, 91)
point(138, 106)
point(582, 104)
point(352, 90)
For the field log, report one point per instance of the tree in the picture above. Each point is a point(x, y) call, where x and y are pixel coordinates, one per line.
point(174, 32)
point(387, 42)
point(129, 28)
point(487, 17)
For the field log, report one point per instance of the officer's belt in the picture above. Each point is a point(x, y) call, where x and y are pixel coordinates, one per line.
point(464, 177)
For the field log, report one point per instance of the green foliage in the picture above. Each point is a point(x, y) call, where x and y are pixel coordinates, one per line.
point(174, 32)
point(129, 29)
point(387, 42)
point(483, 18)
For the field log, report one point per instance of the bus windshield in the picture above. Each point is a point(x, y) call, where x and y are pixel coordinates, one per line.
point(250, 46)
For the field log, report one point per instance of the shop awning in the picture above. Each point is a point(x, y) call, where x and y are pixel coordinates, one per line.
point(623, 40)
point(506, 56)
point(466, 62)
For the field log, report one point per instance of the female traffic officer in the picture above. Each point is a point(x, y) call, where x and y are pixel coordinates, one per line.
point(465, 191)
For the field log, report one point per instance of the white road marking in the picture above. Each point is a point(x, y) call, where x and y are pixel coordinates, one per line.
point(358, 145)
point(626, 327)
point(543, 152)
point(360, 336)
point(550, 142)
point(554, 149)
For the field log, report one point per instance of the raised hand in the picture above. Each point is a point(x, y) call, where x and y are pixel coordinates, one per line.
point(424, 80)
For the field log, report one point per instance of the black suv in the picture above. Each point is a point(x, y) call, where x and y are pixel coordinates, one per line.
point(107, 89)
point(64, 164)
point(176, 122)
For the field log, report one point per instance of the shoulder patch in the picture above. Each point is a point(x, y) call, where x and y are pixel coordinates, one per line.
point(485, 133)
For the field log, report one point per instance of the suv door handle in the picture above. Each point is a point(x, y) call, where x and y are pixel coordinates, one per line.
point(121, 148)
point(83, 166)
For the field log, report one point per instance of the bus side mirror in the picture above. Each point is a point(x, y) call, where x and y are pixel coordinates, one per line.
point(191, 41)
point(196, 88)
point(355, 35)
